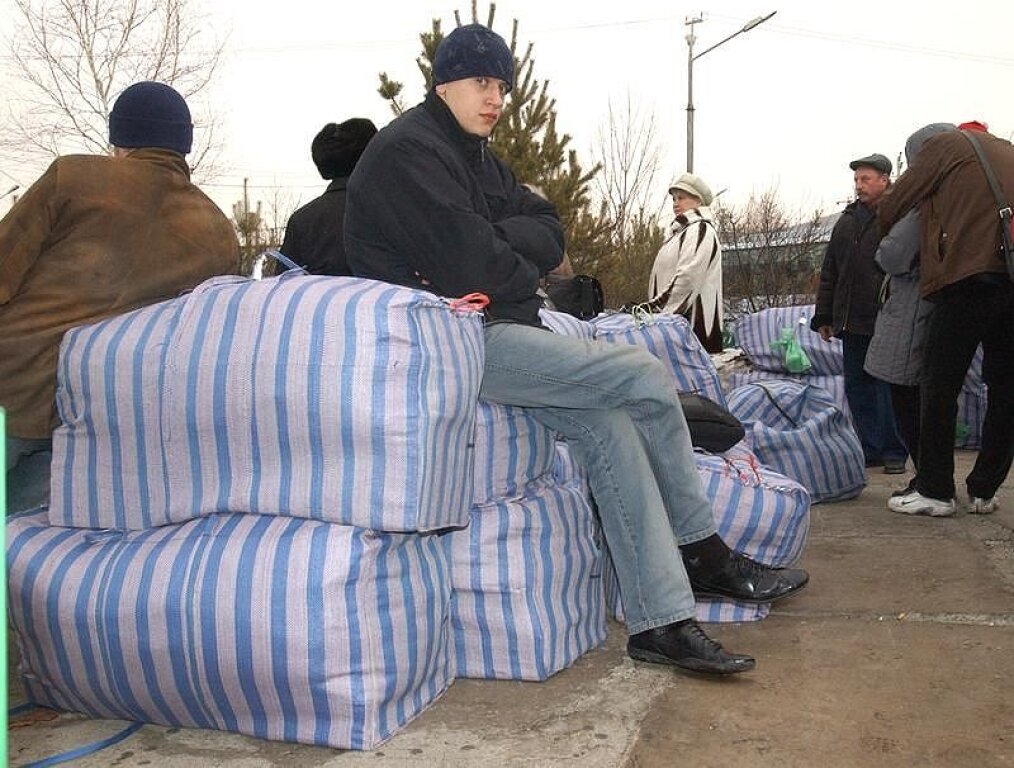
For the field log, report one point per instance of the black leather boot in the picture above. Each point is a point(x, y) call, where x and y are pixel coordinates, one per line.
point(685, 645)
point(717, 571)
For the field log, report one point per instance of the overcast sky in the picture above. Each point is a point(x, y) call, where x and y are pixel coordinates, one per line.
point(787, 104)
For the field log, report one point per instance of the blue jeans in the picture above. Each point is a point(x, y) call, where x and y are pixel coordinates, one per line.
point(617, 408)
point(27, 472)
point(870, 402)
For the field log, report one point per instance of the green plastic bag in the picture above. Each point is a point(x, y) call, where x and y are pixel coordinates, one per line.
point(796, 360)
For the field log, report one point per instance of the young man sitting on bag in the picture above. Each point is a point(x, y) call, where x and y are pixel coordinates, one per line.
point(430, 206)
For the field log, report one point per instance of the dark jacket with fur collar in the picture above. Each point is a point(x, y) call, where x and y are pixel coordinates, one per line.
point(429, 206)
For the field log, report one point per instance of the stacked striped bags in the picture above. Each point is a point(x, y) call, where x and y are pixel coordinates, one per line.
point(757, 510)
point(800, 424)
point(758, 331)
point(251, 485)
point(526, 572)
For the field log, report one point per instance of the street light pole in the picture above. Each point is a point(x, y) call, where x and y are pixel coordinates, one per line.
point(691, 58)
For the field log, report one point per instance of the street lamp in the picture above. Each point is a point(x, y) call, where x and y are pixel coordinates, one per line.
point(691, 58)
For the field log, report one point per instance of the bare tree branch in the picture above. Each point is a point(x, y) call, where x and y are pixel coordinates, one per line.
point(628, 153)
point(769, 255)
point(73, 57)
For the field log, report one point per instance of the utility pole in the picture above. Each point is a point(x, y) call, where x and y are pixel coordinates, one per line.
point(691, 39)
point(691, 58)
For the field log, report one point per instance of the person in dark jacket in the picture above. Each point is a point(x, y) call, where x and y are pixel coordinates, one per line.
point(962, 271)
point(847, 303)
point(94, 237)
point(313, 234)
point(430, 206)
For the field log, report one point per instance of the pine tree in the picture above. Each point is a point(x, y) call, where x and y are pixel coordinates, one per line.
point(527, 140)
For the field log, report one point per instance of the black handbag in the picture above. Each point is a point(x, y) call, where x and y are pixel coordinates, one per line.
point(580, 295)
point(712, 427)
point(1003, 207)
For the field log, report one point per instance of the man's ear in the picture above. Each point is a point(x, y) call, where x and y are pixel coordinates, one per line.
point(441, 90)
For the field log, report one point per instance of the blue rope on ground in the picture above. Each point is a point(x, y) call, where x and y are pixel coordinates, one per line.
point(87, 749)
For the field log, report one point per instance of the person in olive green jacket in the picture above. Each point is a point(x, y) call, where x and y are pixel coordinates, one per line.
point(98, 236)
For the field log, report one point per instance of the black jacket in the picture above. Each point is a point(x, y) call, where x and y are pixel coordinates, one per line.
point(429, 206)
point(313, 234)
point(850, 280)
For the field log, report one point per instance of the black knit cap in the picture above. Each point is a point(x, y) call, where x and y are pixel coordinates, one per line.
point(150, 114)
point(473, 51)
point(336, 149)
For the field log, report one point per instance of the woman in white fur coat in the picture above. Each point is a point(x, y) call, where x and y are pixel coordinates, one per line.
point(686, 278)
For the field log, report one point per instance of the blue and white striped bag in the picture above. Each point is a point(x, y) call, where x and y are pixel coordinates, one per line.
point(971, 415)
point(336, 399)
point(671, 339)
point(284, 629)
point(835, 385)
point(527, 588)
point(566, 325)
point(798, 430)
point(756, 332)
point(566, 470)
point(512, 449)
point(971, 406)
point(757, 512)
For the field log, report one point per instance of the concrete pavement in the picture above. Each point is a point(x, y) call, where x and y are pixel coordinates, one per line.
point(899, 653)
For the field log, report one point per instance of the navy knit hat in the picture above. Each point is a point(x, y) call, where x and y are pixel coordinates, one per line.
point(150, 114)
point(336, 149)
point(473, 51)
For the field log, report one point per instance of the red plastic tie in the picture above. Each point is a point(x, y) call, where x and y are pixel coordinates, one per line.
point(470, 302)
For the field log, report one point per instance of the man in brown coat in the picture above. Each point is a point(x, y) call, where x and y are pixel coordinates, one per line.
point(962, 272)
point(95, 237)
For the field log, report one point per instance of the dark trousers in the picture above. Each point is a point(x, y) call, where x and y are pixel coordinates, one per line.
point(869, 400)
point(907, 404)
point(983, 315)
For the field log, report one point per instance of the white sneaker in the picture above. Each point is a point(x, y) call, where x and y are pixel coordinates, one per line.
point(915, 503)
point(977, 506)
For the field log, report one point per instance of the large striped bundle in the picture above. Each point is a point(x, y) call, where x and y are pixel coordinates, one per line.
point(566, 470)
point(336, 399)
point(757, 512)
point(756, 332)
point(799, 431)
point(971, 415)
point(971, 406)
point(835, 385)
point(284, 629)
point(566, 325)
point(670, 339)
point(527, 593)
point(511, 450)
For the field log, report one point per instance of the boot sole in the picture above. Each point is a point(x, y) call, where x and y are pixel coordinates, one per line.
point(690, 664)
point(749, 600)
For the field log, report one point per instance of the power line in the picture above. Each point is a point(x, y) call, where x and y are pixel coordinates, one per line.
point(330, 46)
